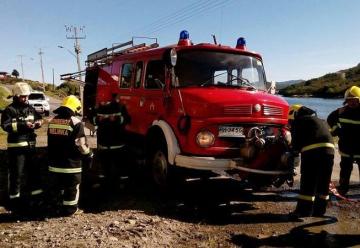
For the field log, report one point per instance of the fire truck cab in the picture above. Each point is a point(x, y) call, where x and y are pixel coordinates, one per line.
point(203, 107)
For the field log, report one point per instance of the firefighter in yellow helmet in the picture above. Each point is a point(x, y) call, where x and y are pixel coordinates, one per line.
point(344, 122)
point(67, 146)
point(311, 138)
point(20, 120)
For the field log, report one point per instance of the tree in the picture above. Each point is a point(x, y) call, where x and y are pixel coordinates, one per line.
point(15, 73)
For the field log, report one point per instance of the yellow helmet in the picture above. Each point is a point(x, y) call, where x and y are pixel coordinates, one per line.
point(73, 103)
point(352, 92)
point(21, 89)
point(293, 110)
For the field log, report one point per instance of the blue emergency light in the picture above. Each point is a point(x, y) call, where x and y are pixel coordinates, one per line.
point(241, 43)
point(184, 39)
point(184, 35)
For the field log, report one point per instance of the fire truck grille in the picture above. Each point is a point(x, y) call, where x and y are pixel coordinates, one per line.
point(245, 109)
point(272, 110)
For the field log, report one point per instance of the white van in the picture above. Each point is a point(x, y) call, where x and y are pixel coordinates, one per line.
point(39, 102)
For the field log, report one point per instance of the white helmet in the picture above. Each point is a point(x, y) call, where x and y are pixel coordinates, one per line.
point(21, 89)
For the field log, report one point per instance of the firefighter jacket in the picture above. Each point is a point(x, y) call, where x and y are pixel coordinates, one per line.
point(67, 144)
point(345, 123)
point(309, 133)
point(111, 119)
point(13, 121)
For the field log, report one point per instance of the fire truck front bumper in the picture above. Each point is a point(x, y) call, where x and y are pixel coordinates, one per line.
point(218, 165)
point(203, 163)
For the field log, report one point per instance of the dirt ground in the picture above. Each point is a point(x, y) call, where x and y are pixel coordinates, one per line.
point(200, 213)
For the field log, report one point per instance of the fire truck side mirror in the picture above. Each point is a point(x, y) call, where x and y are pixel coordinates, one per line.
point(271, 87)
point(170, 57)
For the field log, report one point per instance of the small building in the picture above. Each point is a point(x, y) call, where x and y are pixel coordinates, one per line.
point(3, 75)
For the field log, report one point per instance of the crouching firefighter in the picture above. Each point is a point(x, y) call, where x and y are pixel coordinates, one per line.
point(311, 138)
point(111, 118)
point(20, 120)
point(67, 146)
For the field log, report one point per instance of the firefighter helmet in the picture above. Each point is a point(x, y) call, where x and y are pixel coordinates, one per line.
point(293, 110)
point(352, 92)
point(21, 89)
point(73, 103)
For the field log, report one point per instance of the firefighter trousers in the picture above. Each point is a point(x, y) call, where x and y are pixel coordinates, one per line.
point(346, 167)
point(114, 164)
point(24, 175)
point(64, 192)
point(316, 170)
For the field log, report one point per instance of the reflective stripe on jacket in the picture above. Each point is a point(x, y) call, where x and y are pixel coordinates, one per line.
point(345, 123)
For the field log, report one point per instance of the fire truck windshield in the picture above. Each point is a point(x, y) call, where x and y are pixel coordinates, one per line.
point(209, 68)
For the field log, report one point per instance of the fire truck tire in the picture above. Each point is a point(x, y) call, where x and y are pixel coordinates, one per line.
point(163, 173)
point(160, 168)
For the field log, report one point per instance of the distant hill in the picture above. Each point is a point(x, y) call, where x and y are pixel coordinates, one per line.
point(331, 85)
point(284, 84)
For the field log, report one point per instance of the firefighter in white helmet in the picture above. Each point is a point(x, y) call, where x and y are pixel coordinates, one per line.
point(345, 123)
point(311, 138)
point(67, 146)
point(20, 120)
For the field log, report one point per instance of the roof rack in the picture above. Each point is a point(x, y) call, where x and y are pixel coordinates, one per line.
point(73, 77)
point(107, 54)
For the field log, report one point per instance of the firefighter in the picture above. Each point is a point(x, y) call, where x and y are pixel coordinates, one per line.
point(311, 138)
point(20, 120)
point(111, 118)
point(345, 123)
point(67, 147)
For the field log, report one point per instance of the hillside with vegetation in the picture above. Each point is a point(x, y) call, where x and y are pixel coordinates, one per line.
point(331, 85)
point(60, 91)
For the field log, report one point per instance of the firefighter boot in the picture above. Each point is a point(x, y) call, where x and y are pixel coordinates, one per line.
point(319, 207)
point(343, 187)
point(303, 209)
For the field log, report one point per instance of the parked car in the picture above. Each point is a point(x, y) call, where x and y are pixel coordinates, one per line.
point(40, 102)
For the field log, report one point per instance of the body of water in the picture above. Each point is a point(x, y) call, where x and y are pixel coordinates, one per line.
point(322, 106)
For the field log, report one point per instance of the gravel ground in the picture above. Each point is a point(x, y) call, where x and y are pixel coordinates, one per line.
point(199, 213)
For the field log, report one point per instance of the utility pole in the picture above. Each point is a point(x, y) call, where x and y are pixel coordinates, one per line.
point(53, 79)
point(42, 68)
point(74, 35)
point(22, 66)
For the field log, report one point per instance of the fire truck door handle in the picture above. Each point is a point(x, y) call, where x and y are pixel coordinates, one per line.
point(142, 101)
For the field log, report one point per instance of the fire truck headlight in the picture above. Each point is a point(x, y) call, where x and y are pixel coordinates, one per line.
point(205, 138)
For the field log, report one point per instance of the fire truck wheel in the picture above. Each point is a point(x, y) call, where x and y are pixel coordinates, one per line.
point(159, 168)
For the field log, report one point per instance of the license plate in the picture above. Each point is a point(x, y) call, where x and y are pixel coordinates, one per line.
point(231, 131)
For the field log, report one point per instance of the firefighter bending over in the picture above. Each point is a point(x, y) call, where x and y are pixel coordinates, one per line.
point(111, 118)
point(311, 137)
point(345, 123)
point(20, 120)
point(67, 146)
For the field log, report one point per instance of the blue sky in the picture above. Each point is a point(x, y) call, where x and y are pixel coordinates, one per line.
point(298, 39)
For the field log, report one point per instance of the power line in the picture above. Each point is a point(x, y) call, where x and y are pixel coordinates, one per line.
point(182, 14)
point(190, 15)
point(173, 15)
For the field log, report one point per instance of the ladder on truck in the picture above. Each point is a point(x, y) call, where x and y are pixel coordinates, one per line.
point(106, 55)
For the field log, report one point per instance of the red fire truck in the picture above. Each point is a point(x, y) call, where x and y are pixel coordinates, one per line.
point(199, 107)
